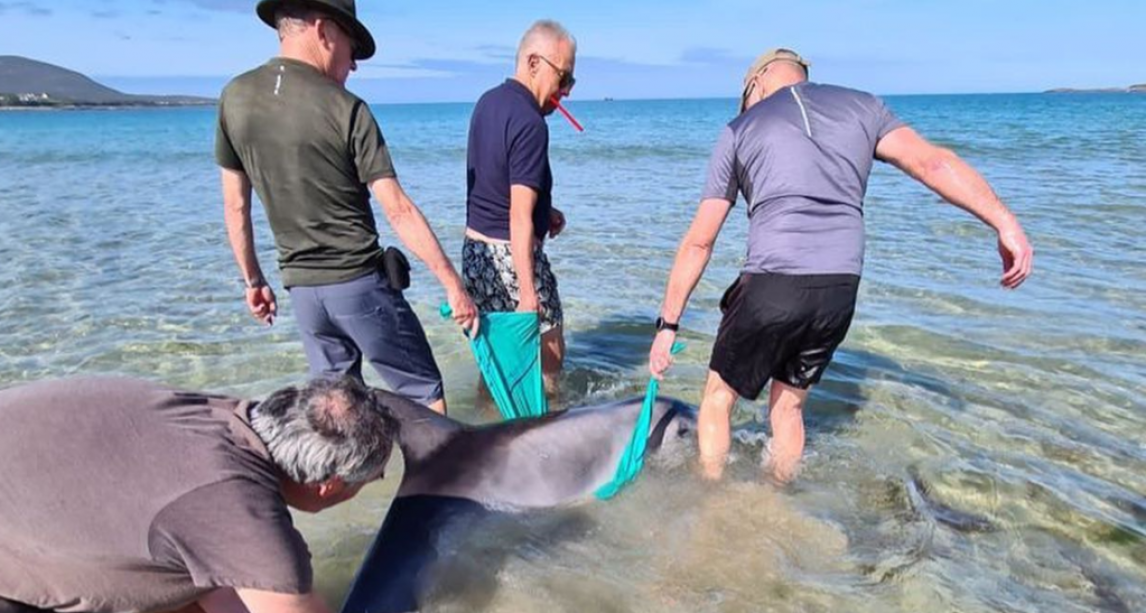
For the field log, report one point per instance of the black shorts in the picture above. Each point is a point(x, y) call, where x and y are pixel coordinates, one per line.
point(783, 327)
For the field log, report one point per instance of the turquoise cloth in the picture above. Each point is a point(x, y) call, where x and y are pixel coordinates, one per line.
point(508, 354)
point(633, 459)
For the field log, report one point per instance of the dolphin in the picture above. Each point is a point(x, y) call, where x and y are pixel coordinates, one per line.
point(457, 473)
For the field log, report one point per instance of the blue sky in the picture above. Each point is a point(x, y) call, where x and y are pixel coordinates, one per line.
point(450, 50)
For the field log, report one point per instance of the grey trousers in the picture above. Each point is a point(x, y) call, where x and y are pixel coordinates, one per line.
point(343, 322)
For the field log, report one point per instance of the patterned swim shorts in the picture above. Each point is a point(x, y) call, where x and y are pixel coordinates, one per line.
point(491, 281)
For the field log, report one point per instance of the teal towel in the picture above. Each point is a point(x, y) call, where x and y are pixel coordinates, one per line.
point(507, 349)
point(633, 459)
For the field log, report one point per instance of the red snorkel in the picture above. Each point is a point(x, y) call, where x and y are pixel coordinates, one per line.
point(557, 103)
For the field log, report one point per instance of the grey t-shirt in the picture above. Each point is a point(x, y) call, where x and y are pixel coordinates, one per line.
point(120, 495)
point(801, 158)
point(310, 149)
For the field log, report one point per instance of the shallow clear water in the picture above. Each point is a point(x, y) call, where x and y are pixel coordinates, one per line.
point(1021, 407)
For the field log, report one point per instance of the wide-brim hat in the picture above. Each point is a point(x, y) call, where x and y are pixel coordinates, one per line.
point(772, 55)
point(343, 13)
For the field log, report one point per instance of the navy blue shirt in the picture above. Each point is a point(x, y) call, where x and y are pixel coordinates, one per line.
point(508, 145)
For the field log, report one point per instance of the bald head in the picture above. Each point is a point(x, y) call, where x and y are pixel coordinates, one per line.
point(771, 78)
point(787, 70)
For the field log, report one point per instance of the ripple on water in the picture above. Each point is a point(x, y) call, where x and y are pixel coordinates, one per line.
point(1022, 407)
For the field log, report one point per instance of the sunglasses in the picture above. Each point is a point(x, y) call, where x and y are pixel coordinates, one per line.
point(747, 92)
point(567, 79)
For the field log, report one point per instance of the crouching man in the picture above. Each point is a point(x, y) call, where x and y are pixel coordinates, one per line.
point(123, 495)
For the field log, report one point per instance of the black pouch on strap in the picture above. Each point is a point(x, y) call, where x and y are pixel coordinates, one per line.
point(397, 268)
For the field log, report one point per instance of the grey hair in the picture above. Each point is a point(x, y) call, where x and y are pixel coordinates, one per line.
point(292, 18)
point(330, 428)
point(543, 30)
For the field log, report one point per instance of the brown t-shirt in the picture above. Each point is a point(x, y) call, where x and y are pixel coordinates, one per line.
point(122, 495)
point(310, 148)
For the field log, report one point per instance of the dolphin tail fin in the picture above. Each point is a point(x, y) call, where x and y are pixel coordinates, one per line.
point(421, 430)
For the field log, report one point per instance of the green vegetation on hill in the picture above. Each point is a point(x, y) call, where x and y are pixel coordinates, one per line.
point(29, 83)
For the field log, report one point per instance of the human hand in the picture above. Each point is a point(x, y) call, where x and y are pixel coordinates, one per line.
point(1017, 255)
point(463, 311)
point(660, 355)
point(261, 303)
point(556, 222)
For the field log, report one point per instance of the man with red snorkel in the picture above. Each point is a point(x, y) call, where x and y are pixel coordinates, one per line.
point(509, 210)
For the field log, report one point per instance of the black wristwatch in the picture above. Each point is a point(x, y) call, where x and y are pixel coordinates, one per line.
point(661, 324)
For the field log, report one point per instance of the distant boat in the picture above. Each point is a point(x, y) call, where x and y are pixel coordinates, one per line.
point(608, 99)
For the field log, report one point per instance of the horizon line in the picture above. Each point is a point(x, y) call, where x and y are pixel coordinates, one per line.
point(1055, 91)
point(574, 100)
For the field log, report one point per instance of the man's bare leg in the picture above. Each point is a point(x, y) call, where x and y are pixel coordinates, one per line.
point(552, 359)
point(714, 426)
point(483, 400)
point(222, 600)
point(786, 412)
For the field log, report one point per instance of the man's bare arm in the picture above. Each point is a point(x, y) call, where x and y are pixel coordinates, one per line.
point(415, 233)
point(946, 174)
point(258, 601)
point(237, 215)
point(692, 258)
point(522, 201)
point(260, 298)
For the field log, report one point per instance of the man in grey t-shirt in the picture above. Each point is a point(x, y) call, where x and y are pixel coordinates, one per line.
point(123, 495)
point(800, 153)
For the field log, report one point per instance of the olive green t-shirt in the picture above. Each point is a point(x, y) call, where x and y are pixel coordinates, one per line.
point(310, 148)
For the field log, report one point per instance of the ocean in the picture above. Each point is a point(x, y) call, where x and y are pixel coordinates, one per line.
point(1021, 407)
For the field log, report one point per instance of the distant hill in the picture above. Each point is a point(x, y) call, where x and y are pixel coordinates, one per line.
point(27, 82)
point(1133, 89)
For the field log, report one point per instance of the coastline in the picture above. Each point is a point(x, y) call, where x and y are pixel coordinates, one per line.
point(1133, 89)
point(102, 107)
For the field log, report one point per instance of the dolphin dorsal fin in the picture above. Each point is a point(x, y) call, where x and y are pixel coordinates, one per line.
point(421, 431)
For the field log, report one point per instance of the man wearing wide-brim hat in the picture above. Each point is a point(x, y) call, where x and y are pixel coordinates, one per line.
point(800, 153)
point(314, 153)
point(341, 11)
